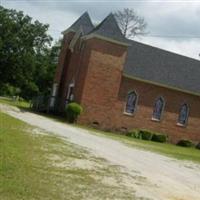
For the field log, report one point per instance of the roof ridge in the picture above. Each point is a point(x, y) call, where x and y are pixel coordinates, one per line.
point(165, 50)
point(83, 21)
point(99, 25)
point(155, 65)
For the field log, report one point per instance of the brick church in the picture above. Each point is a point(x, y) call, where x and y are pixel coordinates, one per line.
point(123, 84)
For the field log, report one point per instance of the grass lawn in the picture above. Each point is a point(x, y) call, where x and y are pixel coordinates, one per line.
point(190, 154)
point(44, 167)
point(19, 104)
point(171, 150)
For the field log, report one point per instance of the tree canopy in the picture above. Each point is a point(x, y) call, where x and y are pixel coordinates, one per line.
point(27, 60)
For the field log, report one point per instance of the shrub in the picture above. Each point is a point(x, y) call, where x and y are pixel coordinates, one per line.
point(73, 110)
point(129, 134)
point(137, 134)
point(145, 135)
point(9, 90)
point(185, 143)
point(198, 146)
point(21, 99)
point(133, 134)
point(159, 138)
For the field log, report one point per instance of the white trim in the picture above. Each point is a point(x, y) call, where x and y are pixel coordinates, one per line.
point(53, 95)
point(67, 31)
point(75, 39)
point(93, 35)
point(161, 85)
point(54, 89)
point(71, 85)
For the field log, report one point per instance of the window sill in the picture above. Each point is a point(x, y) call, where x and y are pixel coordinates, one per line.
point(155, 120)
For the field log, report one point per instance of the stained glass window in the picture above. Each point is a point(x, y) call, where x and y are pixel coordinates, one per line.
point(131, 102)
point(183, 114)
point(158, 108)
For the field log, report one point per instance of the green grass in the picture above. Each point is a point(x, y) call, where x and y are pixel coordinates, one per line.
point(182, 153)
point(19, 104)
point(45, 167)
point(171, 150)
point(25, 105)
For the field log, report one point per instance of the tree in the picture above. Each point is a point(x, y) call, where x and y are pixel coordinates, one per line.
point(130, 23)
point(45, 68)
point(26, 56)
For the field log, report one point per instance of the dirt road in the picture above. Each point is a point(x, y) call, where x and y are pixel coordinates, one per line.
point(158, 177)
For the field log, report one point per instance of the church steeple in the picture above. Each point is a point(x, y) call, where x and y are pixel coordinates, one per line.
point(109, 28)
point(83, 22)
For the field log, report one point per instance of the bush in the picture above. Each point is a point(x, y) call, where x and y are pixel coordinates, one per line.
point(198, 146)
point(129, 134)
point(9, 90)
point(133, 134)
point(185, 143)
point(159, 138)
point(73, 110)
point(21, 99)
point(145, 135)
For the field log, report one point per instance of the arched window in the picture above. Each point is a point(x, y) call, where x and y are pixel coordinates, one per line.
point(131, 102)
point(70, 92)
point(158, 108)
point(183, 115)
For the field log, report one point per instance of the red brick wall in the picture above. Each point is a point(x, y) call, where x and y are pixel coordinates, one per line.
point(104, 69)
point(173, 100)
point(62, 57)
point(72, 67)
point(101, 89)
point(82, 70)
point(104, 97)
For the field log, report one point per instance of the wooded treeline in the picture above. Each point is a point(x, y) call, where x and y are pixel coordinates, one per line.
point(27, 59)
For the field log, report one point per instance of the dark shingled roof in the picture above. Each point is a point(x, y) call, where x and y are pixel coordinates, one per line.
point(162, 67)
point(109, 28)
point(84, 22)
point(147, 62)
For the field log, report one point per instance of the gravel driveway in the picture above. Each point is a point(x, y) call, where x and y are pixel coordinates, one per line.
point(158, 177)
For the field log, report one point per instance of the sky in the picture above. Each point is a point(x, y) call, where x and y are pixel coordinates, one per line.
point(172, 24)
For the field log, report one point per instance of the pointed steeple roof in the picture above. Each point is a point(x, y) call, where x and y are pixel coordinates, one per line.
point(83, 22)
point(109, 28)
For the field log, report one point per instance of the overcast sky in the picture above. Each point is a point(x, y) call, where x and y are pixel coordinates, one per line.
point(172, 25)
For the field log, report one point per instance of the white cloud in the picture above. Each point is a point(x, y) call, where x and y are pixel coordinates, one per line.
point(163, 17)
point(57, 20)
point(190, 48)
